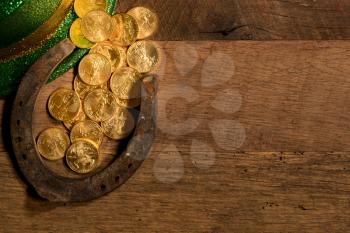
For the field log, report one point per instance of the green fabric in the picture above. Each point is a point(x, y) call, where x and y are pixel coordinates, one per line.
point(12, 71)
point(25, 19)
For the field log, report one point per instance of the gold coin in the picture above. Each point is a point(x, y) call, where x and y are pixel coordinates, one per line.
point(82, 89)
point(77, 37)
point(82, 7)
point(89, 130)
point(82, 157)
point(96, 26)
point(52, 143)
point(125, 30)
point(107, 49)
point(64, 104)
point(146, 19)
point(122, 53)
point(132, 103)
point(81, 117)
point(143, 56)
point(100, 105)
point(120, 125)
point(126, 84)
point(94, 69)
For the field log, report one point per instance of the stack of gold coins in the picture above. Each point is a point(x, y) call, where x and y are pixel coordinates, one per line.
point(106, 87)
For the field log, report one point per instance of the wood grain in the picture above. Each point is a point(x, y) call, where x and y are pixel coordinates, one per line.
point(248, 19)
point(294, 98)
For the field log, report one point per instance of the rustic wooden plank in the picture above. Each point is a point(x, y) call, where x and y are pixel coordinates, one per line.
point(293, 97)
point(282, 96)
point(242, 192)
point(248, 19)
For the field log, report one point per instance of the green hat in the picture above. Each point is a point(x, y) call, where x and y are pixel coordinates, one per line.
point(28, 28)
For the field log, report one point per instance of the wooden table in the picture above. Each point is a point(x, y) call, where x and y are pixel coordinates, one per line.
point(272, 158)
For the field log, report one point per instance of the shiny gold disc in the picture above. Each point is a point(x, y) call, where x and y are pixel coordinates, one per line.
point(81, 117)
point(100, 105)
point(82, 7)
point(82, 89)
point(131, 103)
point(64, 104)
point(107, 49)
point(120, 125)
point(52, 143)
point(82, 157)
point(147, 21)
point(96, 26)
point(94, 69)
point(122, 53)
point(89, 130)
point(77, 37)
point(124, 31)
point(143, 56)
point(126, 84)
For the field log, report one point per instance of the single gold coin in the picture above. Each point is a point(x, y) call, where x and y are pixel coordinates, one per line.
point(89, 130)
point(107, 49)
point(126, 84)
point(77, 37)
point(82, 7)
point(122, 53)
point(82, 157)
point(52, 143)
point(81, 117)
point(143, 56)
point(64, 104)
point(96, 26)
point(146, 19)
point(124, 31)
point(131, 103)
point(82, 89)
point(100, 105)
point(94, 69)
point(120, 125)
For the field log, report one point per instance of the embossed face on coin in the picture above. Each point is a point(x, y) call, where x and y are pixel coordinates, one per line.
point(126, 84)
point(82, 89)
point(110, 52)
point(89, 130)
point(120, 125)
point(94, 69)
point(96, 26)
point(125, 30)
point(100, 105)
point(82, 157)
point(53, 143)
point(77, 37)
point(147, 21)
point(64, 104)
point(143, 56)
point(82, 7)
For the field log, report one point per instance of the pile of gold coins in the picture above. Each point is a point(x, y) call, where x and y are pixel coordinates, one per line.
point(107, 85)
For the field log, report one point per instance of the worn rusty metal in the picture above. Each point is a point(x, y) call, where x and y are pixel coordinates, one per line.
point(61, 189)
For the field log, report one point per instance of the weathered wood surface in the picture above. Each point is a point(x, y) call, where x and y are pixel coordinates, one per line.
point(249, 19)
point(294, 98)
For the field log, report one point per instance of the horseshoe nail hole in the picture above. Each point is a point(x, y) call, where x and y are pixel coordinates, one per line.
point(24, 156)
point(103, 187)
point(130, 165)
point(20, 103)
point(19, 139)
point(117, 179)
point(18, 122)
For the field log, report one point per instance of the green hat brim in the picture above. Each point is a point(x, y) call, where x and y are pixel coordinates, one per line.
point(13, 70)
